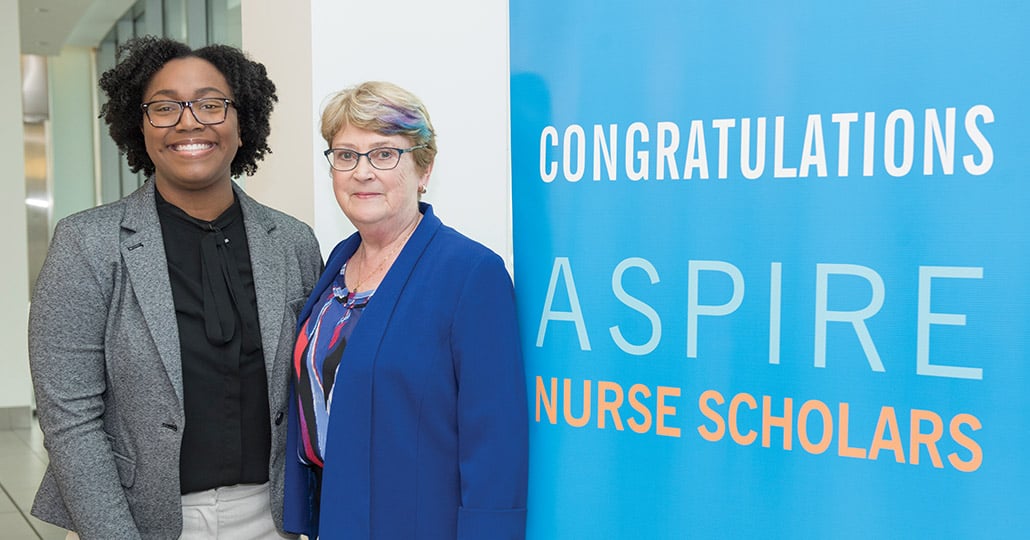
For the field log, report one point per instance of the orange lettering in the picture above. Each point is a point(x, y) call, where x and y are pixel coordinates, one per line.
point(925, 439)
point(612, 407)
point(827, 438)
point(769, 421)
point(662, 410)
point(888, 421)
point(977, 457)
point(843, 449)
point(541, 396)
point(709, 413)
point(738, 437)
point(585, 417)
point(639, 427)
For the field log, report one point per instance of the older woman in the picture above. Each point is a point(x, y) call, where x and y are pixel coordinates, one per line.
point(411, 336)
point(161, 324)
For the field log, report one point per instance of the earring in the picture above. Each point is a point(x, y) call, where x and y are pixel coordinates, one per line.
point(422, 189)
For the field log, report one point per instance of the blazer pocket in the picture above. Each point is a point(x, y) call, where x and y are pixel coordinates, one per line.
point(126, 465)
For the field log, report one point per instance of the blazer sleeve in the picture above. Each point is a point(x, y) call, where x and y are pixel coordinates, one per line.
point(66, 356)
point(493, 421)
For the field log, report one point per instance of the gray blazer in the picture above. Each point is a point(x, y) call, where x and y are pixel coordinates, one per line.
point(105, 359)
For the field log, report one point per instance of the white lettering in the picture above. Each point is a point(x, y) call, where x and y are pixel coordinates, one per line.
point(928, 318)
point(637, 305)
point(694, 307)
point(824, 315)
point(563, 269)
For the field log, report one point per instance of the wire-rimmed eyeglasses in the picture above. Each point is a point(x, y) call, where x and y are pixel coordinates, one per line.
point(167, 113)
point(384, 159)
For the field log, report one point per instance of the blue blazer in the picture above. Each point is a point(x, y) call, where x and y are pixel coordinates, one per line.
point(428, 438)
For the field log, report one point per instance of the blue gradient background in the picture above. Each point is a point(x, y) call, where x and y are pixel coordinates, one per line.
point(603, 62)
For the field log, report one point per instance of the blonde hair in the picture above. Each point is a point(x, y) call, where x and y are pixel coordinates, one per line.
point(384, 108)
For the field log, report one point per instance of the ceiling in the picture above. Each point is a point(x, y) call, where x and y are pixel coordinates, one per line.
point(48, 25)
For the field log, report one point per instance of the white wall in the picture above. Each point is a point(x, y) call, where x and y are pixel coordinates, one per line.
point(15, 388)
point(277, 34)
point(453, 54)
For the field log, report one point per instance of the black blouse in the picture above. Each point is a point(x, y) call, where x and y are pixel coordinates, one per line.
point(227, 436)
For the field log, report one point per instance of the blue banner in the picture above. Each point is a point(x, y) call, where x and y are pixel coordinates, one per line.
point(770, 260)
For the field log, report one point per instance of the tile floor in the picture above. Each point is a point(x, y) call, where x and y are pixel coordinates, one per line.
point(22, 462)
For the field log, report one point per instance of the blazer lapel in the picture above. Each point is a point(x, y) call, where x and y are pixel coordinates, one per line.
point(267, 265)
point(378, 313)
point(143, 251)
point(353, 459)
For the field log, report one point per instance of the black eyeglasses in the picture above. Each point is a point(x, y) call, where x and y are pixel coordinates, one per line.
point(167, 113)
point(384, 159)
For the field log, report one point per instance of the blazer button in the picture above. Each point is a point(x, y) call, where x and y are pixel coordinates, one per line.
point(279, 418)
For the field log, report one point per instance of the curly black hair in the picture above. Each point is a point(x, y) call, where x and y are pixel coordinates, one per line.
point(140, 58)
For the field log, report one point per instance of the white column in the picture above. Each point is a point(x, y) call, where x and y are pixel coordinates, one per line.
point(15, 386)
point(278, 34)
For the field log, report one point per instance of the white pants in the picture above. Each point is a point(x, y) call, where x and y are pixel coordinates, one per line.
point(240, 512)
